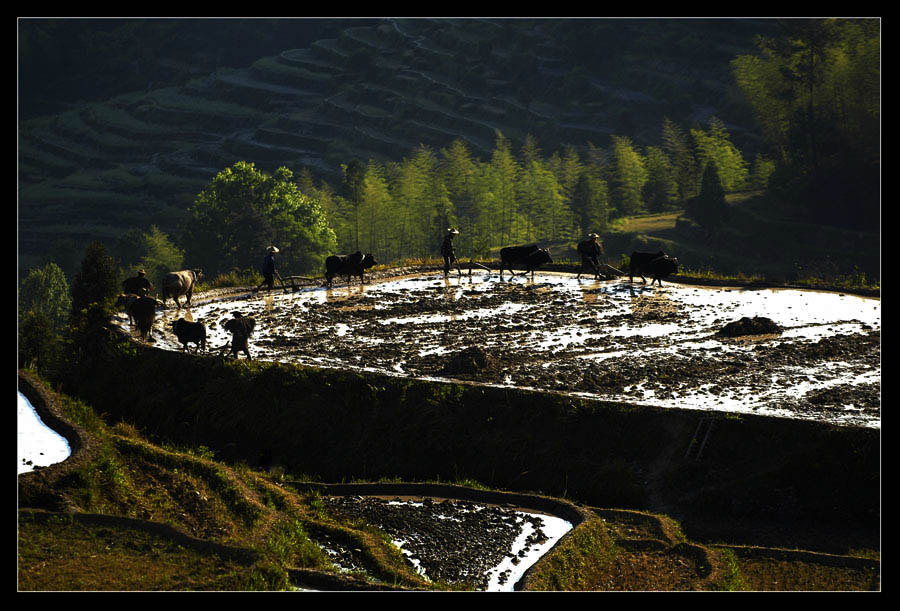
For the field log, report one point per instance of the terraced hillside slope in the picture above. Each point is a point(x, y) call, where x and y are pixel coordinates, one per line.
point(375, 91)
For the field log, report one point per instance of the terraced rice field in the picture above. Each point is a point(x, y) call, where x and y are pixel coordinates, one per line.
point(606, 340)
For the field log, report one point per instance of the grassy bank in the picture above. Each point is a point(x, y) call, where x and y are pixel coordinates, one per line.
point(337, 426)
point(175, 515)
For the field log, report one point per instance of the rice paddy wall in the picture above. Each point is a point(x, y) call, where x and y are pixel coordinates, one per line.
point(337, 426)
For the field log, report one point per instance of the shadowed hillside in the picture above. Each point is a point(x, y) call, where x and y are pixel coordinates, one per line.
point(364, 90)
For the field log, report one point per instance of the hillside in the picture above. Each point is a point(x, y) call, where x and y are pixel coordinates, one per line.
point(372, 90)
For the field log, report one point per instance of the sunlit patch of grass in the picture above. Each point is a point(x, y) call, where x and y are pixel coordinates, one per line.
point(64, 555)
point(288, 543)
point(731, 579)
point(772, 574)
point(578, 563)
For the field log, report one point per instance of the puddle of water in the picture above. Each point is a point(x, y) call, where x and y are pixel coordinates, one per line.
point(554, 528)
point(38, 444)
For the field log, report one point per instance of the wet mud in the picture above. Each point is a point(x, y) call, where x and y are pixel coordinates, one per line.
point(456, 542)
point(803, 354)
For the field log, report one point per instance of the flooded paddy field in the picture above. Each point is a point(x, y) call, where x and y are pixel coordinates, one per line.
point(487, 547)
point(609, 340)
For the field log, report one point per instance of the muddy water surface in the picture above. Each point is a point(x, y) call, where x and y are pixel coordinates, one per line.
point(609, 340)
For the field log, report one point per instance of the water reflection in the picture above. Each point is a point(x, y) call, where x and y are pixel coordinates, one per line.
point(38, 445)
point(344, 293)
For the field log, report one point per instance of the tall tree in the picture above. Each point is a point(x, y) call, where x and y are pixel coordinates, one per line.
point(627, 177)
point(714, 146)
point(677, 147)
point(661, 189)
point(569, 170)
point(815, 90)
point(375, 213)
point(590, 203)
point(45, 290)
point(459, 171)
point(352, 191)
point(97, 281)
point(150, 250)
point(501, 173)
point(709, 207)
point(244, 210)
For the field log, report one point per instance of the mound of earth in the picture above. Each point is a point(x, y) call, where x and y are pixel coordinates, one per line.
point(473, 360)
point(758, 325)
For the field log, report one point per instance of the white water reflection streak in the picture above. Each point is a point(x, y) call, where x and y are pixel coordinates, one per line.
point(38, 445)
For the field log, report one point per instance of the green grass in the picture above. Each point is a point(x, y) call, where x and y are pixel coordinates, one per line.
point(64, 555)
point(770, 574)
point(646, 223)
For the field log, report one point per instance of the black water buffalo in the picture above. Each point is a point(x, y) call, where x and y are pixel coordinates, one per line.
point(176, 284)
point(531, 257)
point(124, 302)
point(142, 311)
point(590, 251)
point(188, 332)
point(657, 264)
point(348, 265)
point(240, 328)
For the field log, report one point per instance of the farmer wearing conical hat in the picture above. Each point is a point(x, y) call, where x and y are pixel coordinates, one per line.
point(268, 270)
point(448, 253)
point(590, 251)
point(139, 285)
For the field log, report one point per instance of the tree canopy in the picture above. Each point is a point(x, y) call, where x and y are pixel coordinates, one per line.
point(46, 291)
point(243, 211)
point(816, 92)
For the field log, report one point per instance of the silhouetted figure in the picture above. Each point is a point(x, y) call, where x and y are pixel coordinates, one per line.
point(138, 285)
point(449, 253)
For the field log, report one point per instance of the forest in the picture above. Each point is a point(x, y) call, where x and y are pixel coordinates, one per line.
point(812, 86)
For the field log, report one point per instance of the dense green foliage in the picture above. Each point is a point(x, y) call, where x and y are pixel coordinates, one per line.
point(44, 307)
point(46, 291)
point(152, 251)
point(401, 210)
point(816, 92)
point(97, 282)
point(243, 211)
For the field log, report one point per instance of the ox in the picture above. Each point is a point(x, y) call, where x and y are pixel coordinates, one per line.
point(176, 284)
point(142, 312)
point(188, 332)
point(348, 265)
point(124, 302)
point(531, 257)
point(658, 265)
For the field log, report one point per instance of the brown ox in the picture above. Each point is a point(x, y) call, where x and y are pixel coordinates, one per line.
point(176, 284)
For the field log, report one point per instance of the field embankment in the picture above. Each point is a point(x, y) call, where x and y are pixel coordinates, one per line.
point(759, 480)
